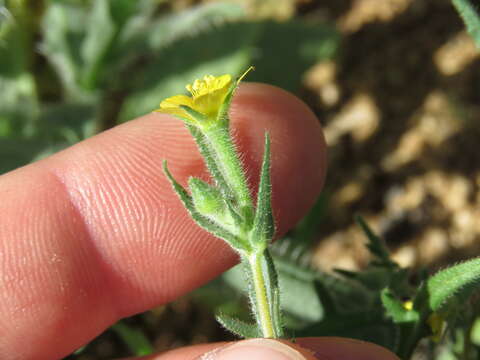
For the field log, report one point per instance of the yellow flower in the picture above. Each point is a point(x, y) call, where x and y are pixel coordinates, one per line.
point(408, 305)
point(208, 95)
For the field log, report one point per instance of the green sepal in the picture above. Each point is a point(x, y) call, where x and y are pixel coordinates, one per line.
point(206, 198)
point(238, 327)
point(222, 116)
point(263, 225)
point(135, 339)
point(396, 309)
point(452, 284)
point(201, 220)
point(210, 160)
point(201, 119)
point(237, 219)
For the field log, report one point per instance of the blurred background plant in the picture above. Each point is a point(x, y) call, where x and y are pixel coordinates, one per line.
point(396, 84)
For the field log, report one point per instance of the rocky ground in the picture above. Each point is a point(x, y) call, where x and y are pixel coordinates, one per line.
point(399, 109)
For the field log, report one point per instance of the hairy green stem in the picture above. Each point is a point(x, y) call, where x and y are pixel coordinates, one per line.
point(262, 305)
point(230, 166)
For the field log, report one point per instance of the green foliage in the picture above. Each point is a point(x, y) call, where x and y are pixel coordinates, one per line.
point(469, 11)
point(376, 245)
point(213, 227)
point(111, 60)
point(238, 327)
point(136, 341)
point(263, 223)
point(396, 309)
point(452, 284)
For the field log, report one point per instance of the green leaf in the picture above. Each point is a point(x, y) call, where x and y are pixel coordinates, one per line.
point(66, 122)
point(135, 339)
point(367, 325)
point(143, 35)
point(238, 327)
point(263, 226)
point(469, 13)
point(80, 350)
point(396, 309)
point(19, 107)
point(63, 28)
point(305, 308)
point(304, 233)
point(123, 10)
point(283, 63)
point(376, 245)
point(202, 221)
point(328, 302)
point(16, 152)
point(101, 31)
point(456, 282)
point(192, 21)
point(14, 45)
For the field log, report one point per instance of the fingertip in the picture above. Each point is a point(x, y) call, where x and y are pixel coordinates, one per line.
point(345, 349)
point(259, 349)
point(100, 222)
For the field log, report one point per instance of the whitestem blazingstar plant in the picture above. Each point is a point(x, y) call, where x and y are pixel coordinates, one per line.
point(226, 208)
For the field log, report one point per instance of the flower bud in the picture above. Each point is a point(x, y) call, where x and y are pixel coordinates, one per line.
point(207, 199)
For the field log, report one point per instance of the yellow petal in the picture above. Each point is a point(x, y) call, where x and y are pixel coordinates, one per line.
point(221, 82)
point(208, 85)
point(171, 106)
point(174, 111)
point(210, 101)
point(176, 101)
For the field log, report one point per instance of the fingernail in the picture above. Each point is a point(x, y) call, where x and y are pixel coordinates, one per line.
point(255, 349)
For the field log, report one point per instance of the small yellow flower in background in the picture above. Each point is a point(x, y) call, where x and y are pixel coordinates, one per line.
point(408, 305)
point(208, 95)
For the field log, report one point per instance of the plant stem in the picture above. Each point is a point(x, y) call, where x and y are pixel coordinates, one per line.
point(230, 166)
point(262, 306)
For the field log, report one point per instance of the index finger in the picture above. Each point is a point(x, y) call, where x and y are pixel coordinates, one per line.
point(95, 233)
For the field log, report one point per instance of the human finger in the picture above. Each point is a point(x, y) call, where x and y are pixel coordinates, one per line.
point(95, 233)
